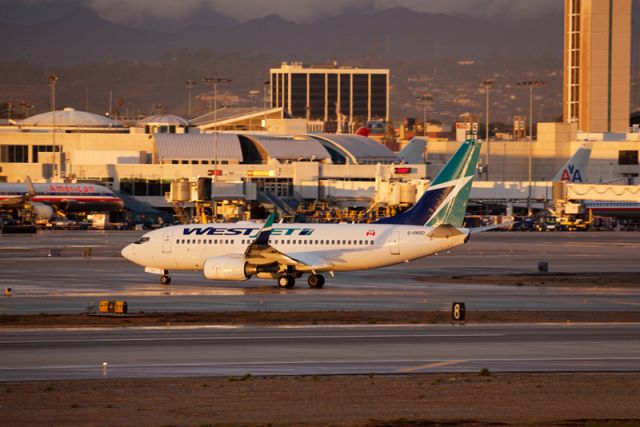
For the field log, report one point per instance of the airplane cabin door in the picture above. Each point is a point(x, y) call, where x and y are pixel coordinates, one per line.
point(395, 243)
point(166, 242)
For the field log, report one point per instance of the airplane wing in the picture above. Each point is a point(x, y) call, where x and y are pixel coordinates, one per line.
point(490, 227)
point(19, 202)
point(260, 252)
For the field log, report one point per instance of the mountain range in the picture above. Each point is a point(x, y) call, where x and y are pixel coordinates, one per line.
point(78, 35)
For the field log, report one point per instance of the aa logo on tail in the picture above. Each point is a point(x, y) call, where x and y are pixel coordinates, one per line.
point(571, 174)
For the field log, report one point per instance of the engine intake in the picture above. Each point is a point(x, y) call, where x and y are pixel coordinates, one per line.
point(225, 268)
point(42, 211)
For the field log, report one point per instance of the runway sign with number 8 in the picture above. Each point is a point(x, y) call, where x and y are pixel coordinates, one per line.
point(458, 311)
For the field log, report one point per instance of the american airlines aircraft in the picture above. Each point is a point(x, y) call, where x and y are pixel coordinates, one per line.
point(62, 196)
point(575, 169)
point(284, 252)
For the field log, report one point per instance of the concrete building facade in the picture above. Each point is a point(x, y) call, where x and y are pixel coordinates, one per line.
point(319, 93)
point(597, 64)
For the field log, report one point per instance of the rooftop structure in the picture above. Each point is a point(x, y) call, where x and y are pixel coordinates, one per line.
point(68, 117)
point(237, 118)
point(355, 149)
point(287, 149)
point(164, 119)
point(189, 148)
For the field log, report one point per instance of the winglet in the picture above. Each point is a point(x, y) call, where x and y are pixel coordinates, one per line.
point(265, 231)
point(31, 190)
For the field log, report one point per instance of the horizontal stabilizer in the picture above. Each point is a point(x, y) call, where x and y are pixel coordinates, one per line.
point(444, 231)
point(490, 227)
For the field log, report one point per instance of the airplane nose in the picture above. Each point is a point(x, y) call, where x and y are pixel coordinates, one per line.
point(128, 252)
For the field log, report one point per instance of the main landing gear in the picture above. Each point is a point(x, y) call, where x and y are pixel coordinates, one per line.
point(315, 281)
point(286, 282)
point(165, 279)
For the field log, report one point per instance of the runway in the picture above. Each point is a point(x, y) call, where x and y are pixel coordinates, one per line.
point(215, 351)
point(67, 282)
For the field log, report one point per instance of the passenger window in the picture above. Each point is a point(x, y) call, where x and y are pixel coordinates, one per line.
point(333, 242)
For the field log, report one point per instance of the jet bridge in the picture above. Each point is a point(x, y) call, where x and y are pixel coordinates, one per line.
point(576, 199)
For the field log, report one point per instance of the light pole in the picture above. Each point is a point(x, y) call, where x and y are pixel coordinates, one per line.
point(52, 85)
point(531, 84)
point(487, 88)
point(26, 106)
point(424, 99)
point(265, 85)
point(190, 84)
point(215, 81)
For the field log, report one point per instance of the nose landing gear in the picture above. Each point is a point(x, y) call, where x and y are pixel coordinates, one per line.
point(165, 279)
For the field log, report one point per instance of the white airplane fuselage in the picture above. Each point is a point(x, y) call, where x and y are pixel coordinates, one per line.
point(346, 246)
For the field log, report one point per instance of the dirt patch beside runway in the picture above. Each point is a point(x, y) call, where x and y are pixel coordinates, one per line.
point(564, 399)
point(270, 318)
point(543, 279)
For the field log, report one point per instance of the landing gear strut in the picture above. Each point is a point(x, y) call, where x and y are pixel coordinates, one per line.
point(286, 282)
point(165, 279)
point(315, 281)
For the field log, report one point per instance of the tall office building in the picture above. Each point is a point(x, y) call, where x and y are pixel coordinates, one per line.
point(317, 93)
point(597, 64)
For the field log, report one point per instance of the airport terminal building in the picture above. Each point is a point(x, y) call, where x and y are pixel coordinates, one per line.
point(142, 161)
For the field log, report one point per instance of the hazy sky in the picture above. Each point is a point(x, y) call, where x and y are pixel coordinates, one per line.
point(305, 10)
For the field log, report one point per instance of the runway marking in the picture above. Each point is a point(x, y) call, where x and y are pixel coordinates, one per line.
point(288, 337)
point(112, 365)
point(431, 365)
point(624, 302)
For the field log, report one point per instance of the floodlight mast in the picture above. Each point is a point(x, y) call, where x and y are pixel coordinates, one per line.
point(531, 84)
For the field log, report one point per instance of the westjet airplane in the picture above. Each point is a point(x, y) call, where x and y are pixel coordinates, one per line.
point(284, 252)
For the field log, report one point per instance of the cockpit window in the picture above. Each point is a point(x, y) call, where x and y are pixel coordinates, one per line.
point(141, 240)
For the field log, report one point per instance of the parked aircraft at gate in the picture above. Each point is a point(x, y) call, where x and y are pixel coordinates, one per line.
point(61, 196)
point(285, 252)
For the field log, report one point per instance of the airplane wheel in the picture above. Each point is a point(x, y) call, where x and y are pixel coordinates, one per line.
point(165, 280)
point(315, 281)
point(286, 282)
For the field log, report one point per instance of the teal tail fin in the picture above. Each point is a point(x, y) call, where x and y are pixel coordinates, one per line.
point(445, 201)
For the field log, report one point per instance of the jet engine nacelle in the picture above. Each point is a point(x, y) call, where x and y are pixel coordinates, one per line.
point(42, 211)
point(225, 268)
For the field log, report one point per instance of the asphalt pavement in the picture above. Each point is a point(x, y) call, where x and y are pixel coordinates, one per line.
point(236, 351)
point(49, 273)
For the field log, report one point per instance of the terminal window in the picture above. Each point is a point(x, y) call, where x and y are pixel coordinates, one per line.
point(14, 153)
point(628, 157)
